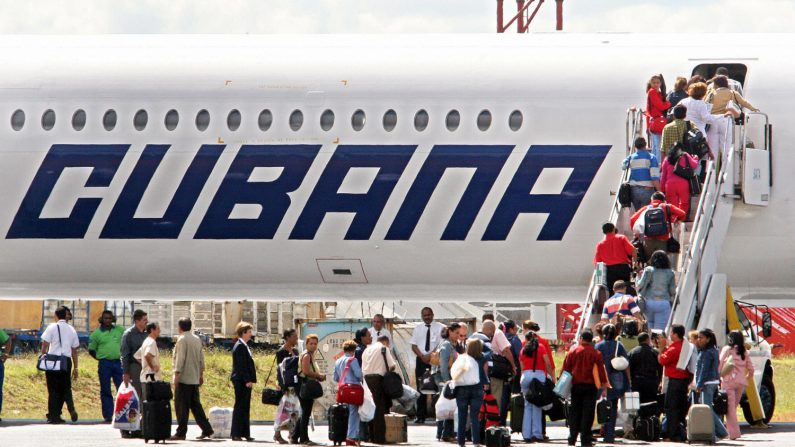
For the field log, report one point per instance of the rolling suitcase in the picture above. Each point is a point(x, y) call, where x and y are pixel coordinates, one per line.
point(700, 423)
point(517, 412)
point(156, 420)
point(338, 423)
point(156, 390)
point(396, 428)
point(497, 437)
point(647, 428)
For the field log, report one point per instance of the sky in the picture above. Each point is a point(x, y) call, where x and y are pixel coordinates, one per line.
point(381, 16)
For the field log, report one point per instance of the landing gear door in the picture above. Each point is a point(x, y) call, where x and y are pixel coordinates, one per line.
point(756, 177)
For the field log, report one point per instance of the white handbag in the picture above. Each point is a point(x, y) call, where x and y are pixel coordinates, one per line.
point(619, 363)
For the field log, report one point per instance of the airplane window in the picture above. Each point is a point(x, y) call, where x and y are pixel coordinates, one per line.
point(109, 120)
point(515, 120)
point(17, 119)
point(421, 120)
point(172, 119)
point(358, 119)
point(390, 120)
point(48, 119)
point(265, 120)
point(453, 120)
point(233, 120)
point(202, 120)
point(140, 119)
point(79, 119)
point(296, 120)
point(484, 120)
point(327, 120)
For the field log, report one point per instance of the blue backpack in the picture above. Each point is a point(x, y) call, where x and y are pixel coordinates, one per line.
point(655, 222)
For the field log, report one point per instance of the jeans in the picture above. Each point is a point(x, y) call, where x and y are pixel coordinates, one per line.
point(654, 140)
point(353, 422)
point(583, 406)
point(108, 370)
point(657, 313)
point(444, 429)
point(707, 395)
point(675, 407)
point(610, 425)
point(641, 196)
point(531, 422)
point(469, 399)
point(422, 402)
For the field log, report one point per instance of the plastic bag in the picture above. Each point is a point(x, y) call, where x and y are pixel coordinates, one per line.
point(367, 409)
point(407, 401)
point(221, 422)
point(288, 411)
point(127, 411)
point(445, 409)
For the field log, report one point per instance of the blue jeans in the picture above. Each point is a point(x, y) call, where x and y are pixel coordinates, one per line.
point(707, 395)
point(531, 422)
point(469, 399)
point(108, 370)
point(657, 313)
point(353, 422)
point(444, 429)
point(610, 425)
point(641, 196)
point(2, 378)
point(655, 140)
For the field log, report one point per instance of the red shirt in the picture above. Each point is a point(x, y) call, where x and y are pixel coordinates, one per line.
point(580, 361)
point(614, 249)
point(656, 104)
point(676, 214)
point(544, 342)
point(669, 358)
point(529, 361)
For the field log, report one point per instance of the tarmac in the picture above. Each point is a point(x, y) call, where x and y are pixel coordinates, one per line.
point(87, 434)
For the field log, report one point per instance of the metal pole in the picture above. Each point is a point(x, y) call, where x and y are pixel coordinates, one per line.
point(500, 29)
point(559, 15)
point(520, 25)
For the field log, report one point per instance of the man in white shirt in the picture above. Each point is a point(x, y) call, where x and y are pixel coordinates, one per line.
point(379, 329)
point(59, 339)
point(500, 346)
point(376, 360)
point(424, 340)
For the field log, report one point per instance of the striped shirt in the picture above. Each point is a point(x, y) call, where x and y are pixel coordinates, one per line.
point(619, 303)
point(644, 168)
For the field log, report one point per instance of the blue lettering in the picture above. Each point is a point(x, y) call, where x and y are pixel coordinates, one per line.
point(325, 198)
point(487, 160)
point(104, 159)
point(122, 224)
point(585, 162)
point(272, 196)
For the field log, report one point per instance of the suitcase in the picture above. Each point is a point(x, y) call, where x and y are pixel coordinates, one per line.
point(700, 424)
point(156, 420)
point(396, 428)
point(647, 428)
point(649, 409)
point(603, 408)
point(338, 423)
point(157, 391)
point(497, 437)
point(517, 412)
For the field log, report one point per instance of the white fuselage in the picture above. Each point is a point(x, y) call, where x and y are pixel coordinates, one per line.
point(436, 215)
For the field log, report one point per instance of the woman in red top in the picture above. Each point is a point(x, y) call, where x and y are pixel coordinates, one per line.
point(656, 105)
point(677, 189)
point(535, 365)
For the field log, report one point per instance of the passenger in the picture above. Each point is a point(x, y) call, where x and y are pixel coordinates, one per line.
point(68, 398)
point(644, 369)
point(424, 340)
point(678, 384)
point(460, 344)
point(699, 112)
point(580, 363)
point(734, 85)
point(616, 251)
point(675, 187)
point(708, 376)
point(656, 105)
point(619, 380)
point(470, 388)
point(188, 377)
point(736, 380)
point(149, 356)
point(5, 351)
point(244, 376)
point(105, 346)
point(308, 371)
point(376, 361)
point(723, 100)
point(653, 242)
point(679, 92)
point(675, 130)
point(695, 79)
point(620, 304)
point(447, 355)
point(657, 287)
point(363, 338)
point(378, 328)
point(535, 365)
point(131, 342)
point(511, 331)
point(60, 339)
point(644, 173)
point(347, 370)
point(500, 347)
point(530, 325)
point(287, 350)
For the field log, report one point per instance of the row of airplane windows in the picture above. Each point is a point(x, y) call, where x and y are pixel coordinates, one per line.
point(265, 120)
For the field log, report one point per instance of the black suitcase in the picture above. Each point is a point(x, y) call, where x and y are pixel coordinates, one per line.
point(338, 423)
point(157, 391)
point(498, 437)
point(517, 412)
point(558, 410)
point(156, 420)
point(646, 428)
point(603, 408)
point(649, 409)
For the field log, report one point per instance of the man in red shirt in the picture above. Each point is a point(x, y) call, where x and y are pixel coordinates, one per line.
point(678, 382)
point(672, 214)
point(617, 252)
point(580, 363)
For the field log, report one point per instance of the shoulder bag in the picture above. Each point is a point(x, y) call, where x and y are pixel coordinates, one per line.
point(684, 171)
point(271, 396)
point(741, 119)
point(656, 123)
point(310, 388)
point(53, 362)
point(617, 362)
point(349, 393)
point(728, 364)
point(392, 383)
point(672, 245)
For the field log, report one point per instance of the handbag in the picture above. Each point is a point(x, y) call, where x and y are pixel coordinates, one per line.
point(349, 393)
point(603, 408)
point(448, 392)
point(539, 393)
point(558, 409)
point(672, 245)
point(392, 383)
point(741, 119)
point(656, 123)
point(728, 364)
point(428, 384)
point(271, 396)
point(310, 388)
point(625, 195)
point(617, 362)
point(53, 362)
point(684, 171)
point(695, 186)
point(501, 368)
point(720, 403)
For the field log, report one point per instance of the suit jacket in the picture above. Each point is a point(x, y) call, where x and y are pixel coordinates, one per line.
point(243, 369)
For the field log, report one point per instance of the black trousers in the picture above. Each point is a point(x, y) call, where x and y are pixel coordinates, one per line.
point(303, 425)
point(241, 415)
point(59, 387)
point(422, 402)
point(646, 388)
point(583, 406)
point(675, 408)
point(186, 401)
point(377, 427)
point(616, 272)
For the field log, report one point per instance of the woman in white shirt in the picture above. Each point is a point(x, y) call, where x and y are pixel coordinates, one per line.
point(698, 111)
point(149, 355)
point(471, 378)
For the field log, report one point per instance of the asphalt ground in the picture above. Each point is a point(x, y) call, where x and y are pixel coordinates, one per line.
point(86, 434)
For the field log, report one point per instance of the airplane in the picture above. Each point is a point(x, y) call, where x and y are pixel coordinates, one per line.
point(416, 167)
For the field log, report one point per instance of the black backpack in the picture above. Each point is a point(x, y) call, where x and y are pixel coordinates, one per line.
point(655, 222)
point(288, 371)
point(625, 195)
point(630, 328)
point(694, 141)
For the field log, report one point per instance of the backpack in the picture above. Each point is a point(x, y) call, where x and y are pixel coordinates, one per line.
point(625, 195)
point(694, 142)
point(487, 353)
point(289, 371)
point(655, 222)
point(630, 327)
